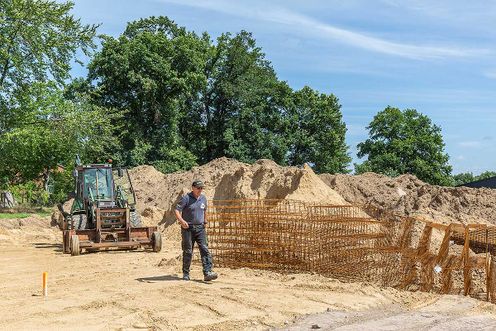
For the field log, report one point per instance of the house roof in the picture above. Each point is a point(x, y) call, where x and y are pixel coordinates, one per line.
point(488, 182)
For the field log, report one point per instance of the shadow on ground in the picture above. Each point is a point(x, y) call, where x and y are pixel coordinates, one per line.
point(155, 279)
point(55, 247)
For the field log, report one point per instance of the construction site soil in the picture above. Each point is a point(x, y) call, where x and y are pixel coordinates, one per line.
point(126, 290)
point(409, 196)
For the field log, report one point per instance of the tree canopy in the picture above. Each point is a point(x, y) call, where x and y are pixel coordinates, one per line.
point(38, 41)
point(405, 142)
point(56, 130)
point(39, 128)
point(151, 73)
point(187, 100)
point(318, 132)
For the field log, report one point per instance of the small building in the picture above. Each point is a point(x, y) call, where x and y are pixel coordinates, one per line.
point(488, 182)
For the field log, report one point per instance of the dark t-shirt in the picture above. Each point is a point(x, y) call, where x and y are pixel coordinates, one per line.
point(192, 209)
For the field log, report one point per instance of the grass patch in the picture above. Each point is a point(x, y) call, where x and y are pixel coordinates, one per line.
point(24, 212)
point(13, 215)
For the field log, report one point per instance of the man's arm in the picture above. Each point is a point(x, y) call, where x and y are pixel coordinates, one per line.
point(205, 220)
point(179, 209)
point(180, 220)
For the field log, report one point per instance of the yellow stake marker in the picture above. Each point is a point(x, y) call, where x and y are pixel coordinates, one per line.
point(45, 284)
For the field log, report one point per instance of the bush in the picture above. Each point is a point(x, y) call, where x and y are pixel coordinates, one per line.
point(29, 194)
point(63, 183)
point(33, 194)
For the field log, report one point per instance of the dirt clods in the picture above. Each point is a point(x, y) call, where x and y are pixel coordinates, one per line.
point(409, 196)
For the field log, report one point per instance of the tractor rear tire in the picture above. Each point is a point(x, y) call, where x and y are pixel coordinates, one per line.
point(156, 241)
point(75, 249)
point(135, 219)
point(80, 221)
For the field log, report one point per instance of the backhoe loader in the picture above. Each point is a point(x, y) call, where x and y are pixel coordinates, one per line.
point(103, 214)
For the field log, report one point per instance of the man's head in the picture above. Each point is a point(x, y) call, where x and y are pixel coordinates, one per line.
point(197, 186)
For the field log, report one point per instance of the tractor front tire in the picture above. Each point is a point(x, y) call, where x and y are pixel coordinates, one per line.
point(135, 219)
point(75, 249)
point(80, 221)
point(156, 241)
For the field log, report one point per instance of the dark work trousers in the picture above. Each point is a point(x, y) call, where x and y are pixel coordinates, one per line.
point(195, 233)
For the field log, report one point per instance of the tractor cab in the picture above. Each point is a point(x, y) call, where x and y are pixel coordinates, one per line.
point(97, 183)
point(101, 186)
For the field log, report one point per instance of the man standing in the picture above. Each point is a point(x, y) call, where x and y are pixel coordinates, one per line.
point(191, 213)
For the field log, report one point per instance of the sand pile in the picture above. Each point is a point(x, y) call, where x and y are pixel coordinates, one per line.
point(20, 230)
point(407, 195)
point(229, 179)
point(158, 193)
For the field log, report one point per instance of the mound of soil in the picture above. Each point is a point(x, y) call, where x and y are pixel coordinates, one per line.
point(409, 196)
point(22, 230)
point(158, 193)
point(229, 179)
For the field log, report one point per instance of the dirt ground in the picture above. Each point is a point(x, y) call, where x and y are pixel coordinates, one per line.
point(122, 290)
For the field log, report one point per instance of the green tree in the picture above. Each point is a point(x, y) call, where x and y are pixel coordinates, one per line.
point(185, 100)
point(403, 142)
point(242, 105)
point(54, 130)
point(463, 178)
point(38, 128)
point(318, 132)
point(150, 74)
point(38, 40)
point(486, 175)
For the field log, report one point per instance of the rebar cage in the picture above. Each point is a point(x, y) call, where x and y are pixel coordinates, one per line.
point(354, 243)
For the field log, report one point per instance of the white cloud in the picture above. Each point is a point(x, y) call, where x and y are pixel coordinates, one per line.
point(478, 14)
point(383, 46)
point(322, 30)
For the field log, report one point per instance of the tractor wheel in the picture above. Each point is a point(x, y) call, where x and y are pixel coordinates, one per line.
point(156, 241)
point(66, 242)
point(75, 250)
point(80, 221)
point(135, 219)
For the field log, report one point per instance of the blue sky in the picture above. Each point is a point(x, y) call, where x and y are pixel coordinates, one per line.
point(438, 57)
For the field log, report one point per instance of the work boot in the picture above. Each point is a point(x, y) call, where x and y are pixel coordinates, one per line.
point(210, 276)
point(186, 277)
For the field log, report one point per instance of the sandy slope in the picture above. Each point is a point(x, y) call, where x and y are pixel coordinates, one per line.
point(407, 195)
point(141, 290)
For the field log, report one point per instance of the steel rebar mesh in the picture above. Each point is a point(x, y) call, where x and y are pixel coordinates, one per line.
point(353, 243)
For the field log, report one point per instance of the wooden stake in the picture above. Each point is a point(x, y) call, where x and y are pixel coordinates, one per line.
point(45, 284)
